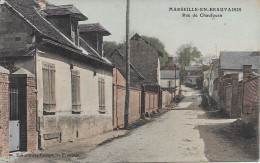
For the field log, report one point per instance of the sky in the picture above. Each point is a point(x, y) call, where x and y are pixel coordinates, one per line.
point(234, 31)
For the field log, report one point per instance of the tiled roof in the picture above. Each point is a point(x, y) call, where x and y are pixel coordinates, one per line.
point(193, 68)
point(84, 28)
point(29, 10)
point(64, 10)
point(236, 60)
point(138, 36)
point(120, 62)
point(169, 74)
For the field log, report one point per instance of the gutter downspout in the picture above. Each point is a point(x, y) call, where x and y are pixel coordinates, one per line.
point(36, 91)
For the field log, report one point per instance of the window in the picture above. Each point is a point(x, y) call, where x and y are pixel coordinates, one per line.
point(101, 94)
point(75, 91)
point(17, 38)
point(49, 100)
point(169, 83)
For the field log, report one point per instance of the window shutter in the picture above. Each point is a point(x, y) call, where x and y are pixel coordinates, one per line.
point(46, 98)
point(52, 87)
point(75, 92)
point(101, 94)
point(49, 98)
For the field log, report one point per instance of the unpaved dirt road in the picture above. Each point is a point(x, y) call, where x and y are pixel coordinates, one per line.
point(173, 137)
point(184, 134)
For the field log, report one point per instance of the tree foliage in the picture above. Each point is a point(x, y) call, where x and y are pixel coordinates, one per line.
point(186, 53)
point(159, 46)
point(205, 67)
point(110, 46)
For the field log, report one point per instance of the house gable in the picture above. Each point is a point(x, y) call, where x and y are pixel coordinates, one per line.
point(15, 32)
point(136, 79)
point(144, 58)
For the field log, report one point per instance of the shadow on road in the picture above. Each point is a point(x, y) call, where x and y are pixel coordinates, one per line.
point(213, 114)
point(234, 141)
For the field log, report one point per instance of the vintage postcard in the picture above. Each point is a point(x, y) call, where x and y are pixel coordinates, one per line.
point(129, 80)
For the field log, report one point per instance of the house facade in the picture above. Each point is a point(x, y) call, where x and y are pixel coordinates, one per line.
point(73, 81)
point(192, 73)
point(170, 79)
point(232, 62)
point(169, 74)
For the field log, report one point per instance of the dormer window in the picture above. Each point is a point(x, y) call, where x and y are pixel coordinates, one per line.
point(93, 34)
point(62, 16)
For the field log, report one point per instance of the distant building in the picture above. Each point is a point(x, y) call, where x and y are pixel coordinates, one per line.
point(170, 79)
point(144, 57)
point(192, 73)
point(232, 62)
point(170, 65)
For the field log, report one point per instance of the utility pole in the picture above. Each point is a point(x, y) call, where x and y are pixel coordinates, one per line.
point(175, 80)
point(127, 94)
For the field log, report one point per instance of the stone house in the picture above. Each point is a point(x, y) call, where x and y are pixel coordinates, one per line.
point(170, 73)
point(232, 62)
point(73, 81)
point(170, 79)
point(192, 73)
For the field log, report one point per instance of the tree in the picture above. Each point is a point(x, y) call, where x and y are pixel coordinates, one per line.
point(110, 46)
point(159, 46)
point(186, 53)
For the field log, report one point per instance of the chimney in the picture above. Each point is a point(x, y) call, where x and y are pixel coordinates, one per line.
point(247, 69)
point(170, 60)
point(42, 3)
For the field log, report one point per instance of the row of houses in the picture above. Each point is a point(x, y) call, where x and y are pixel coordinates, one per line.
point(232, 83)
point(58, 86)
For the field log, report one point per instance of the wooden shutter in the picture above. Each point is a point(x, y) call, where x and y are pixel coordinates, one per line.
point(75, 85)
point(52, 87)
point(101, 94)
point(49, 98)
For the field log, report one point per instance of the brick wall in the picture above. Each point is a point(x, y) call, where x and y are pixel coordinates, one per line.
point(31, 115)
point(250, 107)
point(119, 101)
point(119, 105)
point(228, 95)
point(27, 107)
point(228, 99)
point(240, 99)
point(166, 98)
point(151, 101)
point(235, 112)
point(4, 114)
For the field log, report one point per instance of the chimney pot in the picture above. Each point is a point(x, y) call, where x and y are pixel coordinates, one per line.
point(247, 69)
point(42, 3)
